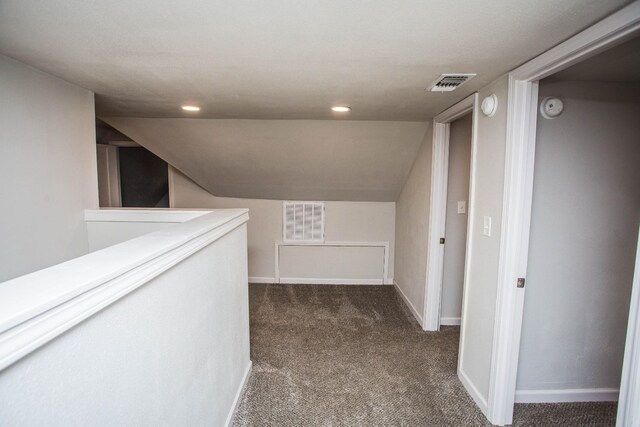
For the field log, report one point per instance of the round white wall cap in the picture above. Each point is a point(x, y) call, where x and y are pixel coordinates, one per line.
point(489, 105)
point(551, 107)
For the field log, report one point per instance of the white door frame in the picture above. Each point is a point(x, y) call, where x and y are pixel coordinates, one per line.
point(108, 162)
point(438, 206)
point(629, 398)
point(518, 190)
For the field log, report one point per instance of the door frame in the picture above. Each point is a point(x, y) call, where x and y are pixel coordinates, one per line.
point(108, 159)
point(438, 206)
point(629, 398)
point(518, 191)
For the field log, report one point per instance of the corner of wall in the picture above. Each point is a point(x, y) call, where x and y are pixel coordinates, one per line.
point(412, 212)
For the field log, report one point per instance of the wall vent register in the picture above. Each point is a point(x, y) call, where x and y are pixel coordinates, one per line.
point(303, 222)
point(449, 82)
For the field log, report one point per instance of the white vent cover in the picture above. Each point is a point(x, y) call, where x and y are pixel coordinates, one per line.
point(449, 82)
point(303, 222)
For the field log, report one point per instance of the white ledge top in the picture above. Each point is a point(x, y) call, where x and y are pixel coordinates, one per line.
point(142, 215)
point(28, 296)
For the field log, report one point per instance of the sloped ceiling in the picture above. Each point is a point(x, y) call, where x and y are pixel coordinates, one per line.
point(285, 159)
point(285, 62)
point(284, 59)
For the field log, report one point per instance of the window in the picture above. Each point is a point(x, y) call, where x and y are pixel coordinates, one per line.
point(303, 222)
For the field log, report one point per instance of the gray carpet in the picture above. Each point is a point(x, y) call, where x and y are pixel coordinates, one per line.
point(354, 356)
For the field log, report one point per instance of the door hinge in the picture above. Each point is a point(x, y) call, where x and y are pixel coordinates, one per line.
point(442, 240)
point(520, 282)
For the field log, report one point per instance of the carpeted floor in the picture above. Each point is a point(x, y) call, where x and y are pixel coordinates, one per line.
point(354, 356)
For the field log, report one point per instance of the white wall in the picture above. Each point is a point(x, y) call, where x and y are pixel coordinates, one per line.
point(172, 353)
point(47, 166)
point(484, 256)
point(586, 212)
point(412, 219)
point(412, 226)
point(344, 221)
point(108, 227)
point(105, 233)
point(356, 263)
point(456, 224)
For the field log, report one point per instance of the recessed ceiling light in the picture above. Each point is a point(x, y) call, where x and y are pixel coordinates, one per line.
point(341, 109)
point(190, 108)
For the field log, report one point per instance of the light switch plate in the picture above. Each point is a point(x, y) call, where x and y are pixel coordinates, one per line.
point(462, 207)
point(486, 227)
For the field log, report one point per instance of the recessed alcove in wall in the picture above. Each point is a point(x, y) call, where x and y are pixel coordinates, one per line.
point(129, 175)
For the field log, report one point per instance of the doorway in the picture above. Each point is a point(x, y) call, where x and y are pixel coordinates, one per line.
point(455, 233)
point(518, 192)
point(583, 236)
point(129, 175)
point(463, 117)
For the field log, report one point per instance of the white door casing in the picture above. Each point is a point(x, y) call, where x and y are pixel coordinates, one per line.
point(518, 191)
point(438, 205)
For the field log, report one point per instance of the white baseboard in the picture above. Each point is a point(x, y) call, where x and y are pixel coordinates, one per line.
point(473, 391)
point(567, 395)
point(408, 303)
point(321, 281)
point(262, 280)
point(450, 321)
point(238, 396)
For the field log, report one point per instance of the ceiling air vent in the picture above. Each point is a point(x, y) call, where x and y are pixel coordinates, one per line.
point(449, 82)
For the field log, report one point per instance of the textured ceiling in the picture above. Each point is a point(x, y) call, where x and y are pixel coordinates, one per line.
point(285, 159)
point(618, 64)
point(285, 62)
point(286, 59)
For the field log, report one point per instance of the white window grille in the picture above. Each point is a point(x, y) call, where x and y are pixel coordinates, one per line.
point(303, 222)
